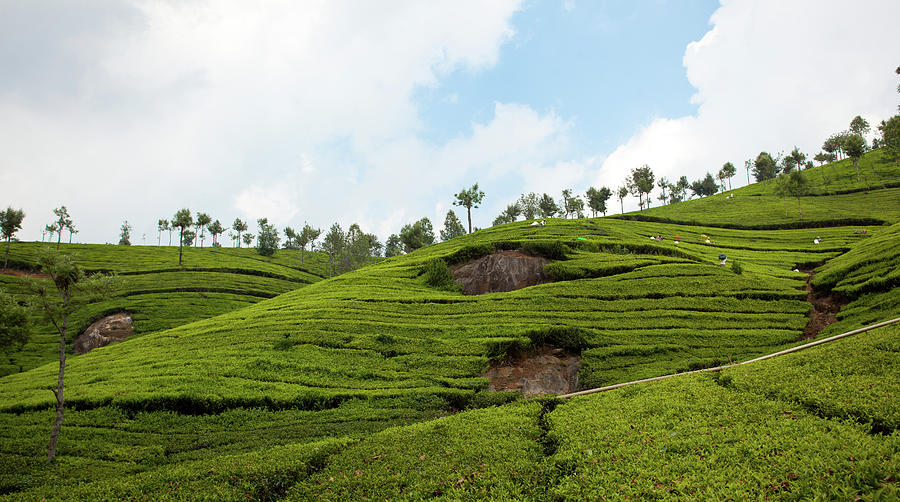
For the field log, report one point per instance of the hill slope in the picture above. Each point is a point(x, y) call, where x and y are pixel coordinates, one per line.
point(317, 392)
point(155, 291)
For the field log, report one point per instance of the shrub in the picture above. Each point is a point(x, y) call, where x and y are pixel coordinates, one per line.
point(737, 268)
point(438, 275)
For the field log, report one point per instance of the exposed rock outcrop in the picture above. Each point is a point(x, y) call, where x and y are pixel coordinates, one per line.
point(112, 328)
point(547, 370)
point(499, 272)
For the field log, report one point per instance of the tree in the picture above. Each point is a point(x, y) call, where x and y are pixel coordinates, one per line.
point(360, 247)
point(267, 237)
point(248, 239)
point(794, 184)
point(728, 171)
point(663, 185)
point(823, 158)
point(452, 227)
point(417, 235)
point(333, 243)
point(764, 167)
point(621, 193)
point(469, 198)
point(795, 158)
point(63, 220)
point(642, 183)
point(859, 126)
point(682, 187)
point(547, 206)
point(855, 147)
point(10, 223)
point(239, 227)
point(125, 234)
point(307, 236)
point(72, 231)
point(201, 222)
point(569, 202)
point(187, 240)
point(393, 246)
point(15, 330)
point(161, 226)
point(530, 204)
point(890, 137)
point(67, 289)
point(216, 229)
point(50, 229)
point(705, 187)
point(835, 144)
point(596, 199)
point(509, 215)
point(182, 220)
point(748, 164)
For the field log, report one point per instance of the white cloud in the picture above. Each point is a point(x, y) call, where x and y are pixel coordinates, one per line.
point(771, 75)
point(210, 103)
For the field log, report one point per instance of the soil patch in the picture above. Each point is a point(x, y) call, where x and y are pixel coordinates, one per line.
point(545, 370)
point(500, 272)
point(23, 273)
point(112, 328)
point(825, 307)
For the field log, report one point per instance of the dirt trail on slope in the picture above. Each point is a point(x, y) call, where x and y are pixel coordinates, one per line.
point(23, 273)
point(825, 307)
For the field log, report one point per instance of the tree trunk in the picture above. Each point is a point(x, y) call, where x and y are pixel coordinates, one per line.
point(6, 259)
point(58, 238)
point(856, 165)
point(469, 213)
point(180, 244)
point(622, 206)
point(54, 434)
point(800, 208)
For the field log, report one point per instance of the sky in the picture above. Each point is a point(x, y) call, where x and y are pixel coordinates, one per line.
point(377, 113)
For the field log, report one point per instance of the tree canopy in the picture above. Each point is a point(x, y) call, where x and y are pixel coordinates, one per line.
point(10, 223)
point(469, 198)
point(452, 227)
point(764, 167)
point(182, 221)
point(417, 235)
point(267, 237)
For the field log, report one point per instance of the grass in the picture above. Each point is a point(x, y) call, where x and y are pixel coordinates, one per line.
point(364, 385)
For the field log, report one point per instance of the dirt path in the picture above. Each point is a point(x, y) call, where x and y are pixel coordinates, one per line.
point(824, 307)
point(23, 273)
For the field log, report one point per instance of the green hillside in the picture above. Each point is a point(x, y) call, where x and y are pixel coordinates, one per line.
point(370, 384)
point(158, 294)
point(835, 195)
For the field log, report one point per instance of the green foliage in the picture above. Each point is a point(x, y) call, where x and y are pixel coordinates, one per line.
point(438, 275)
point(10, 223)
point(705, 187)
point(393, 246)
point(890, 137)
point(245, 393)
point(764, 167)
point(548, 206)
point(125, 234)
point(267, 238)
point(468, 198)
point(596, 199)
point(736, 267)
point(417, 235)
point(15, 329)
point(452, 227)
point(855, 147)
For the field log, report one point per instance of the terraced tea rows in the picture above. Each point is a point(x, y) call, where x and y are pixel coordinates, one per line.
point(156, 293)
point(316, 393)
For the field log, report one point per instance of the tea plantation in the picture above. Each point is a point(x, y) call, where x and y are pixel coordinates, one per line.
point(369, 385)
point(155, 291)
